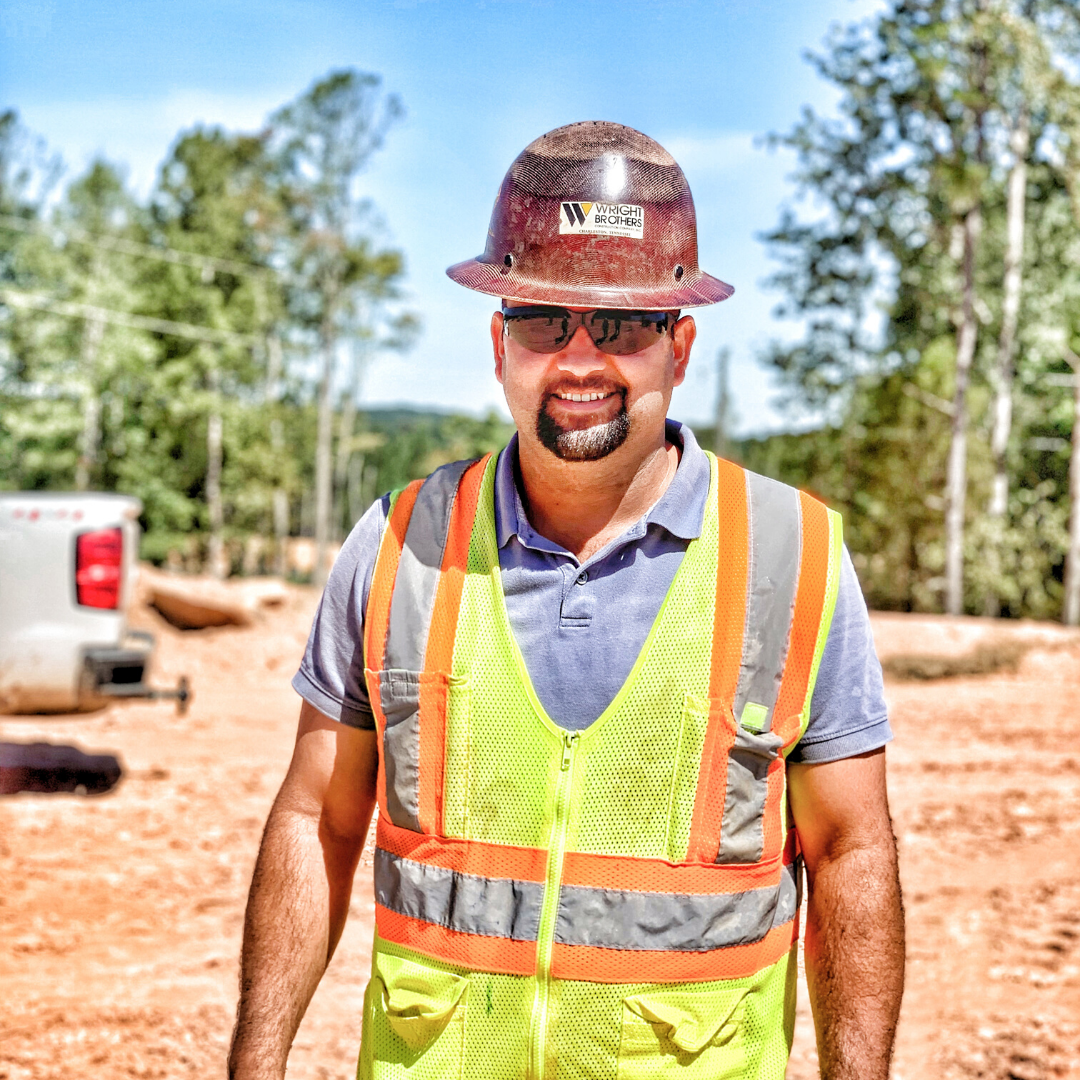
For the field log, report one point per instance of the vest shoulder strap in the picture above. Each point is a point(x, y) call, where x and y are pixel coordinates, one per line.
point(421, 555)
point(793, 571)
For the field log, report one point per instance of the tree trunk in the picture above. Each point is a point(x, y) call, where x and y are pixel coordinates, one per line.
point(1071, 610)
point(281, 525)
point(346, 432)
point(323, 462)
point(346, 424)
point(215, 551)
point(1010, 314)
point(90, 441)
point(956, 473)
point(357, 506)
point(720, 437)
point(280, 500)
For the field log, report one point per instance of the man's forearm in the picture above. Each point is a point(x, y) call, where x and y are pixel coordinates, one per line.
point(296, 910)
point(855, 961)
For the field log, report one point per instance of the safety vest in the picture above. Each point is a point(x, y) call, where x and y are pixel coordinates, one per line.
point(620, 902)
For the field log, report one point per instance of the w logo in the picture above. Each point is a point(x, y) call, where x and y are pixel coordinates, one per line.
point(576, 213)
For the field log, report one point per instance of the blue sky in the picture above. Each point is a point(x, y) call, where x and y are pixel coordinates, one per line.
point(480, 79)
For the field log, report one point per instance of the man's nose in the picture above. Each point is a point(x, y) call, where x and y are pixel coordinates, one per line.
point(580, 355)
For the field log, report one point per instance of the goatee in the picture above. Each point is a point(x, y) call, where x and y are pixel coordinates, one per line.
point(583, 444)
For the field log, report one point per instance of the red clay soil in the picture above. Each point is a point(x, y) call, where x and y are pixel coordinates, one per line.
point(120, 914)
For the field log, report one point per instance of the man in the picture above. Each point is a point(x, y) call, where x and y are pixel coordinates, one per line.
point(609, 692)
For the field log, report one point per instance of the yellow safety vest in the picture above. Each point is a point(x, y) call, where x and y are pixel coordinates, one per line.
point(620, 902)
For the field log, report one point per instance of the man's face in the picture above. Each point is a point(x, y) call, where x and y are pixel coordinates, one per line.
point(582, 404)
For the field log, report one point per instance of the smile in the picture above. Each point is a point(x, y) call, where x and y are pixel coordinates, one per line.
point(585, 397)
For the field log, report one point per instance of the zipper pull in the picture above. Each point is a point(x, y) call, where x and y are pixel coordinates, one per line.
point(570, 739)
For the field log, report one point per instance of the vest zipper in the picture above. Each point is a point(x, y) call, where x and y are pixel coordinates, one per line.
point(550, 910)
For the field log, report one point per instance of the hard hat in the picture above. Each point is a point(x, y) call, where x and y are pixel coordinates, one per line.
point(594, 214)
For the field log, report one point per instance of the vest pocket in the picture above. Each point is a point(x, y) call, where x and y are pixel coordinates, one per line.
point(693, 1034)
point(411, 700)
point(414, 1021)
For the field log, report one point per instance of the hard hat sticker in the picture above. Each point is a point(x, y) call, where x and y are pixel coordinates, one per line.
point(602, 219)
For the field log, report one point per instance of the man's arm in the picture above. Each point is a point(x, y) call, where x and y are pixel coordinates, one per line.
point(855, 923)
point(301, 888)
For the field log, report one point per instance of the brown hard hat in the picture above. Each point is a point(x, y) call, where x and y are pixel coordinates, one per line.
point(594, 215)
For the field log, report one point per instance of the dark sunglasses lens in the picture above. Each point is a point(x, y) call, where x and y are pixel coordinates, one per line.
point(618, 333)
point(541, 333)
point(621, 333)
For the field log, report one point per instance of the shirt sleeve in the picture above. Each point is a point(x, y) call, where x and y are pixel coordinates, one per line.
point(331, 675)
point(848, 715)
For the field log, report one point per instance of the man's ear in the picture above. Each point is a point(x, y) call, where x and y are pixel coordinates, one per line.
point(684, 334)
point(498, 343)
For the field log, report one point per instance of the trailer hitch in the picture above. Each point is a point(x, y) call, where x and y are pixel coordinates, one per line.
point(181, 695)
point(120, 672)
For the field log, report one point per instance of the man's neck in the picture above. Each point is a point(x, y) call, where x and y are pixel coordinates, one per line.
point(584, 505)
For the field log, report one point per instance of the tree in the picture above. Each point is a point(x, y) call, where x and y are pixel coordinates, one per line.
point(910, 185)
point(213, 199)
point(322, 142)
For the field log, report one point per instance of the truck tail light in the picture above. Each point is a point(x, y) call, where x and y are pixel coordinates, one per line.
point(98, 557)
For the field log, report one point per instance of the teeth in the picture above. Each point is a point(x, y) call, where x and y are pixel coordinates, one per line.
point(582, 397)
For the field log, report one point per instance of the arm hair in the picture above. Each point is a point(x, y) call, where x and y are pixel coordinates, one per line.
point(301, 888)
point(855, 926)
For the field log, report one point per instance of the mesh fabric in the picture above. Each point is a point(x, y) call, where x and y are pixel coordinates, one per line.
point(636, 776)
point(588, 1022)
point(635, 793)
point(511, 760)
point(495, 1014)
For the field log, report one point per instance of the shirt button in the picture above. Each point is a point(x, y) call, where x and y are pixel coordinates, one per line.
point(583, 577)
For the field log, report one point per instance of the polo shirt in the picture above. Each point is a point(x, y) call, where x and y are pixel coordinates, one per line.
point(581, 625)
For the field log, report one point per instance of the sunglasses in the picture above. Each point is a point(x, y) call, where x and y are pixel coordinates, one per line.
point(618, 333)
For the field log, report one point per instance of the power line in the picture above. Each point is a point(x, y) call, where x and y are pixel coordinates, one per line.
point(148, 251)
point(71, 309)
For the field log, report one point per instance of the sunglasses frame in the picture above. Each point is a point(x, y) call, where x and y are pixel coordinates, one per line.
point(664, 320)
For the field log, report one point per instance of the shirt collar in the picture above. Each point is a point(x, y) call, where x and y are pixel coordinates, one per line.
point(679, 510)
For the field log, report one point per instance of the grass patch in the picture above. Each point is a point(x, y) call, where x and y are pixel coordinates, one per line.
point(988, 658)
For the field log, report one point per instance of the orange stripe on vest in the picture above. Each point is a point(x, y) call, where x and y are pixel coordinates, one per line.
point(681, 879)
point(732, 566)
point(503, 956)
point(464, 856)
point(377, 614)
point(439, 656)
point(809, 599)
point(586, 963)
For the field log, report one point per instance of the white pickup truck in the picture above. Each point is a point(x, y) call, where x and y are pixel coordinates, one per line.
point(67, 575)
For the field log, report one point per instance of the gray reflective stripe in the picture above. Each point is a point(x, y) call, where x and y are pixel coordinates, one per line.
point(417, 580)
point(616, 919)
point(399, 695)
point(493, 907)
point(742, 831)
point(775, 522)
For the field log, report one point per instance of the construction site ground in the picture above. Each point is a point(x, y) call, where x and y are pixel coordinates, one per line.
point(121, 914)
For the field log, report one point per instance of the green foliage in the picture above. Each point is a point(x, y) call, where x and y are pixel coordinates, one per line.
point(418, 442)
point(930, 94)
point(253, 253)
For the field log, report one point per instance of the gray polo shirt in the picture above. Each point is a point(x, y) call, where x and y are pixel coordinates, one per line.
point(581, 625)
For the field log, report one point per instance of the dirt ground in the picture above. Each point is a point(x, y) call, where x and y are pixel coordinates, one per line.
point(120, 914)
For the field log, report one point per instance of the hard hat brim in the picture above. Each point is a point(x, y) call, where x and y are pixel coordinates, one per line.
point(696, 289)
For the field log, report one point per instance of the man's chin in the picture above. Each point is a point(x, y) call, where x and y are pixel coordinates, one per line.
point(583, 444)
